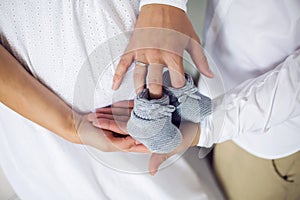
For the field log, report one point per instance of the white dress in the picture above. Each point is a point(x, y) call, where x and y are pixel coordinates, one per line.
point(66, 45)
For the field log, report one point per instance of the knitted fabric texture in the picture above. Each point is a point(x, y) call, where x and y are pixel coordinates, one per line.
point(151, 123)
point(190, 104)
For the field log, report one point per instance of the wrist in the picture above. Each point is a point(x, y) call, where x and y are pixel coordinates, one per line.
point(71, 128)
point(179, 4)
point(160, 16)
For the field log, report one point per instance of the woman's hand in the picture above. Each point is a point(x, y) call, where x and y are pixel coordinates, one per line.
point(27, 96)
point(115, 119)
point(161, 35)
point(106, 130)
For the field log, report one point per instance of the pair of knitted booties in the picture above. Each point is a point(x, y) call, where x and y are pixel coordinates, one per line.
point(155, 122)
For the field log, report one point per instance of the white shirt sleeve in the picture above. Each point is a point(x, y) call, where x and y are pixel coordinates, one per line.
point(256, 105)
point(176, 3)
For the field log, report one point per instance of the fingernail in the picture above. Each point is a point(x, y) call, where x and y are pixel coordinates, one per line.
point(211, 73)
point(152, 173)
point(114, 85)
point(137, 142)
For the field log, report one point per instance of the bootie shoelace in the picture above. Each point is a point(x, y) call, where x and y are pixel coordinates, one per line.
point(150, 123)
point(189, 103)
point(192, 93)
point(155, 110)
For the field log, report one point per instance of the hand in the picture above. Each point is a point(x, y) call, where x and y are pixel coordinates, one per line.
point(115, 119)
point(161, 35)
point(104, 140)
point(191, 134)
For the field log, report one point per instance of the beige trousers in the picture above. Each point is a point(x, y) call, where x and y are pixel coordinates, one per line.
point(244, 176)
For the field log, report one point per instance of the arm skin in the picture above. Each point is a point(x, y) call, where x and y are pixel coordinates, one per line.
point(27, 96)
point(114, 119)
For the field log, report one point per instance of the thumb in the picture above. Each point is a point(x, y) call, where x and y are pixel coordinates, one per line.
point(155, 161)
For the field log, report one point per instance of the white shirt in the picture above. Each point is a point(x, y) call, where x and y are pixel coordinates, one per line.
point(256, 40)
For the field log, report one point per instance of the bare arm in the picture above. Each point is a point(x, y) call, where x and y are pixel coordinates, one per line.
point(27, 96)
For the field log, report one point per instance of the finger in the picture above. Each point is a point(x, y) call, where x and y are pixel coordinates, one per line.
point(195, 49)
point(155, 80)
point(139, 77)
point(176, 70)
point(137, 142)
point(140, 71)
point(127, 144)
point(155, 55)
point(155, 161)
point(119, 143)
point(139, 148)
point(122, 118)
point(121, 69)
point(115, 111)
point(91, 117)
point(123, 104)
point(112, 125)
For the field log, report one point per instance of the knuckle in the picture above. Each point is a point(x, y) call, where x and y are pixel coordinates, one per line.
point(175, 59)
point(123, 62)
point(140, 54)
point(155, 53)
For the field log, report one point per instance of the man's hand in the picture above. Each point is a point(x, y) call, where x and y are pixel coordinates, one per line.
point(161, 35)
point(115, 119)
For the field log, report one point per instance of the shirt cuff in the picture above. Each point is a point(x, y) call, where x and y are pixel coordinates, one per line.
point(176, 3)
point(212, 126)
point(205, 130)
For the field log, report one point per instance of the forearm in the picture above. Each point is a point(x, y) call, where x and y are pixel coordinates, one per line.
point(25, 95)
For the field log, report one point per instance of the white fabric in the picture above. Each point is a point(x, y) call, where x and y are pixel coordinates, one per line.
point(257, 105)
point(176, 3)
point(53, 39)
point(247, 39)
